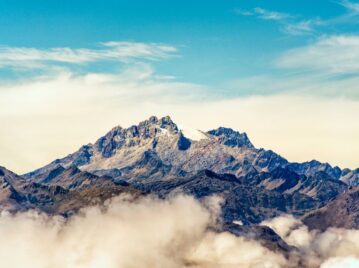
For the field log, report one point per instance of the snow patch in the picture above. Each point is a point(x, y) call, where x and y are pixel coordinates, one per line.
point(240, 223)
point(193, 134)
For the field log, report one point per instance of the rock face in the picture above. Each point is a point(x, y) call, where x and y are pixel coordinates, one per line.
point(240, 201)
point(342, 212)
point(11, 198)
point(59, 192)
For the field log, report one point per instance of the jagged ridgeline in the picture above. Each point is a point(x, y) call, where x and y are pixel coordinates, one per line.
point(157, 157)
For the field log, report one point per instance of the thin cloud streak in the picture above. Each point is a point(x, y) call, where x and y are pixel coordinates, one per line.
point(296, 25)
point(263, 14)
point(352, 7)
point(289, 24)
point(109, 51)
point(304, 27)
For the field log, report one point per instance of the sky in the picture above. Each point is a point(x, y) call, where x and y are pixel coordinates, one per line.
point(284, 72)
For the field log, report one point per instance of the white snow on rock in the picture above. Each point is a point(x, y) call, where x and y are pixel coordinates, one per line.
point(164, 131)
point(193, 134)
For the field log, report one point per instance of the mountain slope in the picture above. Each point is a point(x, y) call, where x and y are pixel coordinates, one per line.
point(342, 212)
point(65, 193)
point(241, 202)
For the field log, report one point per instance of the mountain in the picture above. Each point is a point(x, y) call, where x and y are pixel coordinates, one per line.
point(66, 190)
point(10, 197)
point(157, 147)
point(320, 185)
point(240, 201)
point(158, 157)
point(342, 212)
point(222, 150)
point(75, 191)
point(156, 150)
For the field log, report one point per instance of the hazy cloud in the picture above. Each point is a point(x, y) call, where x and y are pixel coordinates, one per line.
point(54, 116)
point(333, 54)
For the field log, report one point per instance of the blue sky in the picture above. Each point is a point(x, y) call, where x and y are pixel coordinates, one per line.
point(286, 72)
point(217, 40)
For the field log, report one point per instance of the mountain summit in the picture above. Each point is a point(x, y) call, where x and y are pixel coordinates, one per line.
point(222, 150)
point(158, 147)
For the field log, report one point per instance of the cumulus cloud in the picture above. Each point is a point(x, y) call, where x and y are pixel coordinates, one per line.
point(151, 232)
point(127, 233)
point(25, 57)
point(332, 248)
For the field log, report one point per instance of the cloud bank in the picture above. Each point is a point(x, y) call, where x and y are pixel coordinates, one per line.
point(333, 248)
point(171, 233)
point(127, 233)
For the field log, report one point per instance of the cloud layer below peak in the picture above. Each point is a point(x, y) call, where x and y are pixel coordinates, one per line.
point(124, 233)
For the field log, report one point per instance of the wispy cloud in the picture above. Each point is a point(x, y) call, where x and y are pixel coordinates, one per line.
point(270, 15)
point(305, 27)
point(332, 55)
point(352, 7)
point(263, 14)
point(289, 24)
point(299, 25)
point(25, 57)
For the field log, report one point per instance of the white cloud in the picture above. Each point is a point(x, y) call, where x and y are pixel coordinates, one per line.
point(263, 14)
point(125, 233)
point(352, 7)
point(270, 15)
point(333, 54)
point(147, 232)
point(113, 51)
point(304, 27)
point(289, 24)
point(333, 248)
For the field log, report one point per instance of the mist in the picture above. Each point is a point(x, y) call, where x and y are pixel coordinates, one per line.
point(152, 232)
